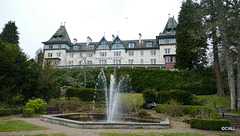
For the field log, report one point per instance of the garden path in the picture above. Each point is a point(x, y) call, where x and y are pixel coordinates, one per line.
point(178, 127)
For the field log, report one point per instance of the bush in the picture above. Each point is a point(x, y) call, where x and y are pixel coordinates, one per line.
point(143, 113)
point(8, 112)
point(209, 124)
point(186, 98)
point(149, 95)
point(28, 112)
point(86, 94)
point(196, 111)
point(38, 105)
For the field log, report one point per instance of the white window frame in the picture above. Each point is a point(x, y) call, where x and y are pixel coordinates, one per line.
point(131, 53)
point(142, 52)
point(49, 55)
point(130, 61)
point(71, 55)
point(153, 52)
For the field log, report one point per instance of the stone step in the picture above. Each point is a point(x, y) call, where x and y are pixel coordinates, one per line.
point(231, 123)
point(235, 126)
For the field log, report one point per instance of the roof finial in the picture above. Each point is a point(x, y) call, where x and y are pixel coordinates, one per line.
point(61, 23)
point(169, 15)
point(64, 23)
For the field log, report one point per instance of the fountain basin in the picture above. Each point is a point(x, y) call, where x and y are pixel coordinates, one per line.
point(59, 119)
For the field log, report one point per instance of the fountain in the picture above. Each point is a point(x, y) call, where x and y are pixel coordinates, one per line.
point(112, 119)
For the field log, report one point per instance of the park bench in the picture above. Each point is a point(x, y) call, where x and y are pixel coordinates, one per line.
point(53, 110)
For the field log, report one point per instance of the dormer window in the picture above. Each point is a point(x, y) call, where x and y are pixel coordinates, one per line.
point(76, 47)
point(131, 45)
point(149, 44)
point(54, 37)
point(91, 47)
point(60, 37)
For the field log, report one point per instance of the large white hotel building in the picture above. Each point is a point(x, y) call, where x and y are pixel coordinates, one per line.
point(159, 52)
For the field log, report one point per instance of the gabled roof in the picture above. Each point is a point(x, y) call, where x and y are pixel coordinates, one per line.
point(170, 26)
point(115, 40)
point(103, 39)
point(60, 36)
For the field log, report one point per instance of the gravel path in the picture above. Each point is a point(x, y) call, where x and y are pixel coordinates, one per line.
point(179, 127)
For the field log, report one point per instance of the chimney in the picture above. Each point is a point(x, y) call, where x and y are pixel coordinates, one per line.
point(113, 37)
point(88, 40)
point(74, 41)
point(140, 38)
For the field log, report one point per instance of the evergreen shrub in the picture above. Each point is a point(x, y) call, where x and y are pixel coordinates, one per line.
point(8, 112)
point(86, 94)
point(209, 124)
point(38, 105)
point(149, 95)
point(28, 112)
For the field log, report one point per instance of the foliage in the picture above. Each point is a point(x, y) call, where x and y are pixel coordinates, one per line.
point(149, 95)
point(86, 94)
point(142, 113)
point(18, 125)
point(10, 33)
point(208, 100)
point(28, 112)
point(179, 110)
point(8, 112)
point(209, 124)
point(149, 134)
point(191, 39)
point(38, 105)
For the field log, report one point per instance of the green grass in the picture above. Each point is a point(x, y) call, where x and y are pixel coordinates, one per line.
point(47, 135)
point(150, 134)
point(137, 96)
point(18, 125)
point(209, 100)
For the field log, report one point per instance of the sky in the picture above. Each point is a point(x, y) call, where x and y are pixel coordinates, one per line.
point(38, 20)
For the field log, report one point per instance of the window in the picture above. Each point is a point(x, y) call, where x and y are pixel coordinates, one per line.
point(102, 54)
point(80, 62)
point(54, 62)
point(167, 59)
point(91, 47)
point(167, 41)
point(141, 61)
point(131, 53)
point(60, 37)
point(131, 45)
point(142, 53)
point(130, 61)
point(80, 55)
point(153, 52)
point(117, 53)
point(76, 47)
point(54, 37)
point(153, 61)
point(117, 46)
point(70, 63)
point(102, 62)
point(50, 46)
point(49, 55)
point(89, 62)
point(149, 44)
point(71, 55)
point(59, 46)
point(167, 51)
point(58, 54)
point(103, 45)
point(90, 54)
point(117, 61)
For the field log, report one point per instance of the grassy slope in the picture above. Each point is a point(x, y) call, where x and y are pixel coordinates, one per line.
point(18, 125)
point(208, 100)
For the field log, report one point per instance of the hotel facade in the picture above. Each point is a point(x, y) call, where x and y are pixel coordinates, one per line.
point(159, 52)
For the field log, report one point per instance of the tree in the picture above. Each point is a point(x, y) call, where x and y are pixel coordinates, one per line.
point(10, 33)
point(191, 39)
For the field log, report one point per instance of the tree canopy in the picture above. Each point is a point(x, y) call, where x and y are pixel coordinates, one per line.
point(10, 33)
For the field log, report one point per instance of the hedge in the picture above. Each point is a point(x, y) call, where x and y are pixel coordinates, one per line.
point(209, 124)
point(86, 94)
point(28, 112)
point(186, 109)
point(8, 112)
point(200, 82)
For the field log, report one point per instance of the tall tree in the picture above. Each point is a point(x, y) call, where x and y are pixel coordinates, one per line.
point(10, 33)
point(191, 39)
point(211, 25)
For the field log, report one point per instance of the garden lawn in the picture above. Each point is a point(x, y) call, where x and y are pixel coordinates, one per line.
point(150, 134)
point(47, 135)
point(18, 125)
point(209, 100)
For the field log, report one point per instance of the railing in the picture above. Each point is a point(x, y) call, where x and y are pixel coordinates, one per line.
point(219, 110)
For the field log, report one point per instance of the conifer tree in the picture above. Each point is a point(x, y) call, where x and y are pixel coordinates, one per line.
point(191, 39)
point(10, 33)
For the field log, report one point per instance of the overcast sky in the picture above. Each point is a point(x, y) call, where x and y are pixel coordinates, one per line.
point(38, 20)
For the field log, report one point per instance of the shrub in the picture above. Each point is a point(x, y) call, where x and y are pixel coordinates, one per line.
point(38, 105)
point(86, 94)
point(28, 112)
point(180, 96)
point(143, 113)
point(209, 124)
point(196, 111)
point(149, 95)
point(8, 112)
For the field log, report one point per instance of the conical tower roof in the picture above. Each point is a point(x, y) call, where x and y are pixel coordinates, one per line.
point(61, 36)
point(170, 26)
